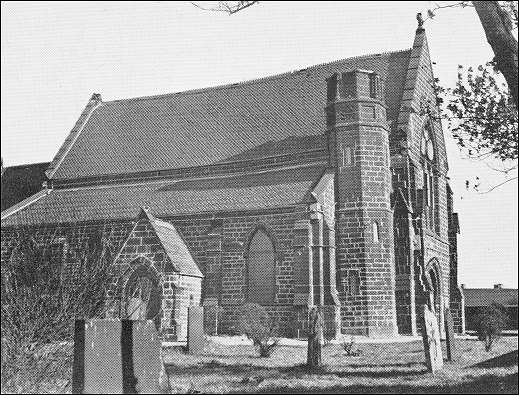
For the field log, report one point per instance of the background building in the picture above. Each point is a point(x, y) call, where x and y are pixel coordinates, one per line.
point(476, 299)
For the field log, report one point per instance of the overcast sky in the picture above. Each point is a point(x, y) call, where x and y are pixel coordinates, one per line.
point(55, 55)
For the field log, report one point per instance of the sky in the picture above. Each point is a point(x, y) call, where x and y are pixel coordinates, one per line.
point(55, 55)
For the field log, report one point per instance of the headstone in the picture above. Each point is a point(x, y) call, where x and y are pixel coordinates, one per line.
point(449, 335)
point(147, 361)
point(211, 310)
point(195, 330)
point(431, 341)
point(113, 356)
point(315, 330)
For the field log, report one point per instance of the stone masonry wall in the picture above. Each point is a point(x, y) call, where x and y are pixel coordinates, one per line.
point(218, 242)
point(358, 135)
point(418, 109)
point(143, 249)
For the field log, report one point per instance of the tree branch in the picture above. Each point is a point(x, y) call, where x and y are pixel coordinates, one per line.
point(498, 185)
point(431, 15)
point(227, 7)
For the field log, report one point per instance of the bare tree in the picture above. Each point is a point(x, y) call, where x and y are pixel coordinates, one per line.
point(229, 7)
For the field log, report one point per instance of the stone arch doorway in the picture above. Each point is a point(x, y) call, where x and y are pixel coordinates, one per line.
point(143, 296)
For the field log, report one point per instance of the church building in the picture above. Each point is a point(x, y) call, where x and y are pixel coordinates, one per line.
point(325, 186)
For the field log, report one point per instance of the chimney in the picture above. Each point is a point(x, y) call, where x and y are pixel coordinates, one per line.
point(498, 286)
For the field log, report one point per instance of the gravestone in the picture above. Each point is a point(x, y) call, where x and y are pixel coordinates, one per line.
point(449, 335)
point(431, 340)
point(211, 310)
point(195, 330)
point(113, 356)
point(315, 330)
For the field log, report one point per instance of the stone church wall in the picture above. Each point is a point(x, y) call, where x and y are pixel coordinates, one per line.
point(218, 242)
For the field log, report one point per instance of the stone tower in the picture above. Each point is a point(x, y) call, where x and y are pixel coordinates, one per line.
point(358, 141)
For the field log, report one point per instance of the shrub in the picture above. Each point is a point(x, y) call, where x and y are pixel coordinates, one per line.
point(40, 301)
point(349, 347)
point(255, 323)
point(490, 324)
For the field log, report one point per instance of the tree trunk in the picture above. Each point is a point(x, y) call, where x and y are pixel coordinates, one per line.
point(315, 329)
point(498, 29)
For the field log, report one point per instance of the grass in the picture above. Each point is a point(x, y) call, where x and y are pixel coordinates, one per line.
point(381, 368)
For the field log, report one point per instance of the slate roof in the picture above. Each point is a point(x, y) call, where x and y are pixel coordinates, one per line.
point(175, 247)
point(214, 125)
point(20, 182)
point(272, 189)
point(475, 297)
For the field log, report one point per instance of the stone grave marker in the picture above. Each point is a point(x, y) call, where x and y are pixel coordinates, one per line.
point(114, 356)
point(315, 330)
point(195, 330)
point(431, 340)
point(211, 310)
point(449, 335)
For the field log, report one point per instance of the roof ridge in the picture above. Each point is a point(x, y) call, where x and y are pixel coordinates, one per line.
point(252, 81)
point(205, 178)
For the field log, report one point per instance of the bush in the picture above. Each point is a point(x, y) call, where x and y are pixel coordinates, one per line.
point(490, 324)
point(255, 323)
point(349, 347)
point(40, 301)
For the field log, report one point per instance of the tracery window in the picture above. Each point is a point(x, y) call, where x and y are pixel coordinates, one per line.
point(430, 179)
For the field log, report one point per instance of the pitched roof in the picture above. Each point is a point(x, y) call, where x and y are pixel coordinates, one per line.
point(475, 297)
point(270, 189)
point(214, 125)
point(20, 182)
point(174, 246)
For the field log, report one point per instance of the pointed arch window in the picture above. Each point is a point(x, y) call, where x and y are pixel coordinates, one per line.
point(261, 269)
point(430, 179)
point(376, 232)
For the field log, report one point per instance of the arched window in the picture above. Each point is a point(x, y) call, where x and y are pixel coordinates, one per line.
point(261, 269)
point(376, 233)
point(430, 179)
